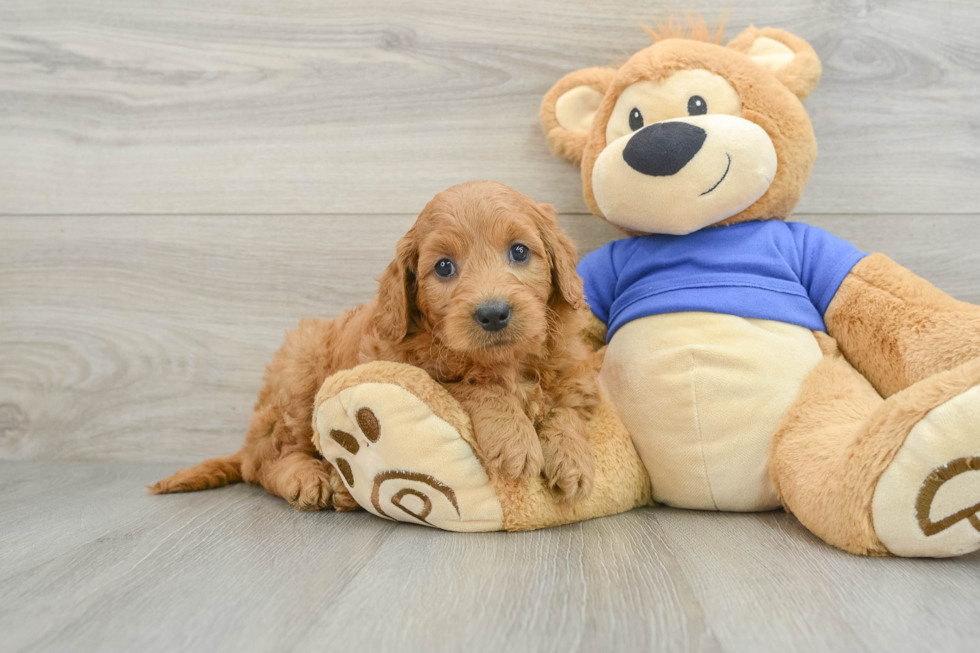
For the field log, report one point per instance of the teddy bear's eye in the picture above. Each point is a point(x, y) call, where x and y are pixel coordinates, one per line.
point(636, 119)
point(696, 106)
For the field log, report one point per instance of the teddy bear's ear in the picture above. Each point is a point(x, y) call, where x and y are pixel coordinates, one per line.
point(569, 107)
point(789, 57)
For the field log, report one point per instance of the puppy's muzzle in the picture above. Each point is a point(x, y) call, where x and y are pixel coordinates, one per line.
point(664, 148)
point(492, 315)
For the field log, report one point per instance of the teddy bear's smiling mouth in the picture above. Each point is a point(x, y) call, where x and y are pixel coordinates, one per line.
point(717, 183)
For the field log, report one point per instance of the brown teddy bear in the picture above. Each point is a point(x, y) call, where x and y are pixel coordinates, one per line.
point(751, 362)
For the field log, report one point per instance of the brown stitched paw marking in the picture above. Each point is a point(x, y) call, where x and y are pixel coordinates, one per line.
point(396, 499)
point(935, 480)
point(368, 421)
point(414, 493)
point(345, 439)
point(344, 467)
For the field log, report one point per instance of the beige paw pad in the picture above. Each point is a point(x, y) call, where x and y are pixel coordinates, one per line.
point(926, 504)
point(401, 461)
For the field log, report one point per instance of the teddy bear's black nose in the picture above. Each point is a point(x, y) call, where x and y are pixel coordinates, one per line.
point(663, 148)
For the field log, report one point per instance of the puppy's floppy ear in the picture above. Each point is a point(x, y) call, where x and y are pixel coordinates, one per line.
point(569, 107)
point(566, 285)
point(789, 57)
point(397, 291)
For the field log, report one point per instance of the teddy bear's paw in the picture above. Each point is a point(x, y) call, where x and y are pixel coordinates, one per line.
point(401, 461)
point(927, 502)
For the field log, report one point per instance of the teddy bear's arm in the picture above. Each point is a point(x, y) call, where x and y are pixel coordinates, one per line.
point(896, 328)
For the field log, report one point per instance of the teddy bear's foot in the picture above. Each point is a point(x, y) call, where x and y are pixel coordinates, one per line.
point(397, 457)
point(927, 502)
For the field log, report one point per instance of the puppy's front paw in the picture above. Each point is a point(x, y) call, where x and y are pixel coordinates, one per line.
point(569, 466)
point(309, 488)
point(513, 451)
point(342, 500)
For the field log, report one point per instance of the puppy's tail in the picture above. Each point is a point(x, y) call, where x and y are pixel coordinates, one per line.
point(216, 472)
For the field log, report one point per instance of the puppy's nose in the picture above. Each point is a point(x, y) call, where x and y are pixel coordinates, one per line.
point(663, 148)
point(492, 316)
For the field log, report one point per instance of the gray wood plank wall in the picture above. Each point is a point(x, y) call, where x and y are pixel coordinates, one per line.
point(181, 182)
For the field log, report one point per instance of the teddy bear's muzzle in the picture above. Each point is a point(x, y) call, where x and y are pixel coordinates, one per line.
point(680, 175)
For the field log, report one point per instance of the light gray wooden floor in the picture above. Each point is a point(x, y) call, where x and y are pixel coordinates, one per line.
point(181, 181)
point(91, 563)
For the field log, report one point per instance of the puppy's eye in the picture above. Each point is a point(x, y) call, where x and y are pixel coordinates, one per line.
point(519, 253)
point(696, 106)
point(636, 119)
point(445, 268)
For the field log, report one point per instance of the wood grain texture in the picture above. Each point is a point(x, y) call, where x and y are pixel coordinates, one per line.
point(115, 328)
point(180, 182)
point(804, 594)
point(145, 338)
point(332, 106)
point(105, 567)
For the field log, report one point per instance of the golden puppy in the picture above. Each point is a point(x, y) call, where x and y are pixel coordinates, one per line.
point(484, 296)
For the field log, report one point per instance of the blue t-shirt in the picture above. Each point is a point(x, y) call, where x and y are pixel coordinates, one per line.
point(782, 271)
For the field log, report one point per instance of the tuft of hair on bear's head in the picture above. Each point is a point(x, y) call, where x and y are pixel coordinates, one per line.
point(696, 30)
